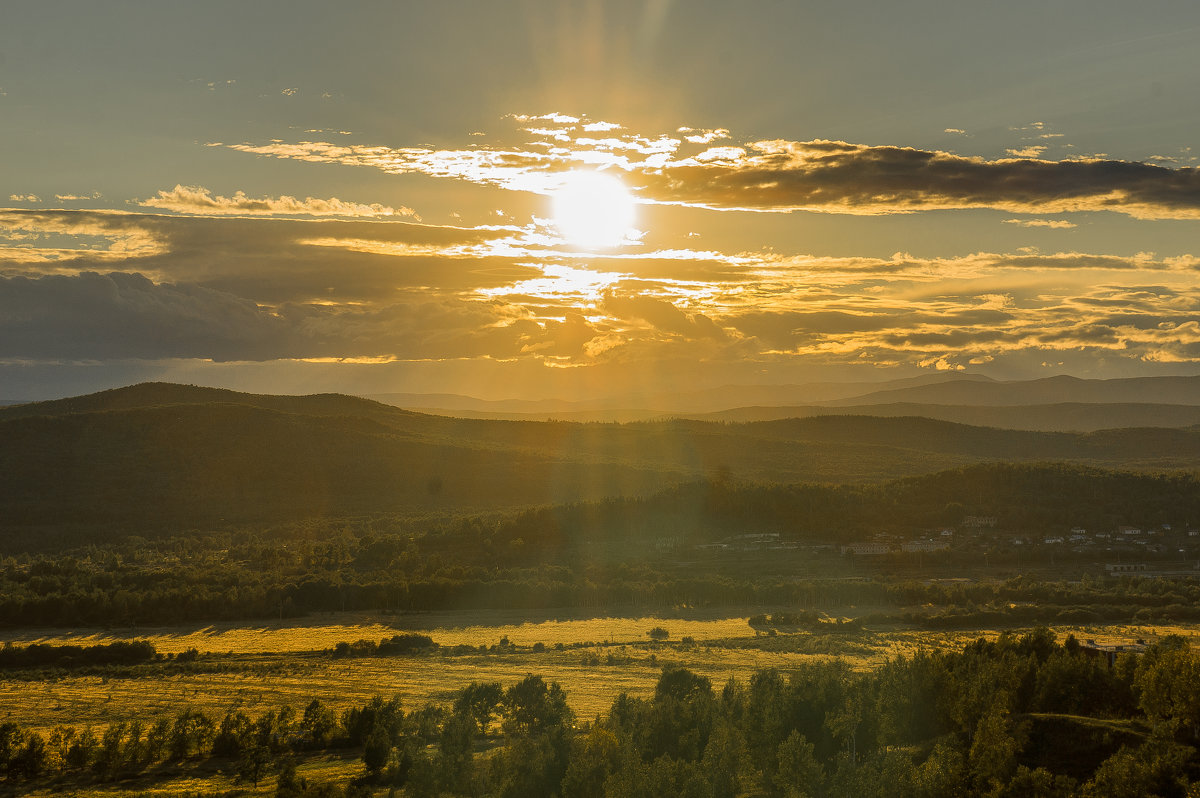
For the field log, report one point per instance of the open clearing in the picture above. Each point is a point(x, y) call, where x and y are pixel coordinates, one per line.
point(262, 667)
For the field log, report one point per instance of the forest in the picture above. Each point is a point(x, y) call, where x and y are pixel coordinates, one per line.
point(1016, 716)
point(627, 553)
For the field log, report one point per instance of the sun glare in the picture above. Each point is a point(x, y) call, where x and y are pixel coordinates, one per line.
point(593, 210)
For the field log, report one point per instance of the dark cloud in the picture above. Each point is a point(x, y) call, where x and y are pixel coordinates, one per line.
point(98, 316)
point(272, 261)
point(122, 316)
point(853, 178)
point(779, 175)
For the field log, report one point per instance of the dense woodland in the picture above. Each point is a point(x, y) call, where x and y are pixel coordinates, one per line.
point(1019, 716)
point(610, 555)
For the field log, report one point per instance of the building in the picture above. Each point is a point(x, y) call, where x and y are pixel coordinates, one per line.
point(925, 545)
point(1124, 567)
point(860, 549)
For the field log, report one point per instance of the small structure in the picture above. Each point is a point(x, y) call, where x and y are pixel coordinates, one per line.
point(860, 549)
point(1124, 567)
point(1091, 648)
point(924, 545)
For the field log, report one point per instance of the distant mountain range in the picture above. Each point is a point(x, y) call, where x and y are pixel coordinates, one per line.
point(161, 453)
point(1054, 403)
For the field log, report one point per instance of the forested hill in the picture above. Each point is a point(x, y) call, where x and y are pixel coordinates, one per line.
point(156, 452)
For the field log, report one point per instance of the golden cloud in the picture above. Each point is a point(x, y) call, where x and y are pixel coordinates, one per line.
point(782, 175)
point(200, 201)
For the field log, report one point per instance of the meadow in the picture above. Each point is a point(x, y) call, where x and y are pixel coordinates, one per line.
point(260, 667)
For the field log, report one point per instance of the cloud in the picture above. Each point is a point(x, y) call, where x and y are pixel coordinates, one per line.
point(199, 200)
point(128, 316)
point(24, 198)
point(781, 175)
point(1057, 224)
point(78, 197)
point(839, 177)
point(233, 288)
point(661, 314)
point(267, 260)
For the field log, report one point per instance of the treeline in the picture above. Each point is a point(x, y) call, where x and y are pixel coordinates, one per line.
point(262, 579)
point(599, 555)
point(1019, 716)
point(396, 645)
point(44, 655)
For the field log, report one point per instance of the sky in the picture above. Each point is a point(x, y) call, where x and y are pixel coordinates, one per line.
point(577, 199)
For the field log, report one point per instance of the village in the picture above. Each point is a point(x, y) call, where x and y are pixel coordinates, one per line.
point(1124, 549)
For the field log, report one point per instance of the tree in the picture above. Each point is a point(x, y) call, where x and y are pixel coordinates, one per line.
point(798, 774)
point(254, 761)
point(1168, 683)
point(234, 736)
point(532, 707)
point(723, 758)
point(33, 759)
point(594, 755)
point(480, 701)
point(377, 750)
point(317, 725)
point(994, 748)
point(12, 739)
point(1156, 770)
point(191, 735)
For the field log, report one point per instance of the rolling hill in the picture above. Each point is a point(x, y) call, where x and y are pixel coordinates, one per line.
point(158, 453)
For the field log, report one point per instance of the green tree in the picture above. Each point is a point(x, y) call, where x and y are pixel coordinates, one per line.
point(798, 774)
point(191, 735)
point(595, 754)
point(254, 761)
point(377, 749)
point(317, 726)
point(480, 700)
point(994, 748)
point(533, 707)
point(1155, 770)
point(1168, 685)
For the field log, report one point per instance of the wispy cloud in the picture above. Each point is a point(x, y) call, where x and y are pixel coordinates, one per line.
point(1032, 151)
point(1057, 224)
point(782, 175)
point(24, 198)
point(199, 200)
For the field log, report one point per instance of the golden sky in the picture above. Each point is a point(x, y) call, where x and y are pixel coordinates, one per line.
point(576, 199)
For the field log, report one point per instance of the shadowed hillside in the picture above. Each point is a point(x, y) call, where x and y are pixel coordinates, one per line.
point(174, 453)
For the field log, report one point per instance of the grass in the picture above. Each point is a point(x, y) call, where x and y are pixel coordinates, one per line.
point(263, 667)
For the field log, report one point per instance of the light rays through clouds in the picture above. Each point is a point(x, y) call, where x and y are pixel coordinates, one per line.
point(703, 168)
point(240, 278)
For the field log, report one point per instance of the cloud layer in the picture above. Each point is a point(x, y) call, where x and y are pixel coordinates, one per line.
point(686, 168)
point(142, 286)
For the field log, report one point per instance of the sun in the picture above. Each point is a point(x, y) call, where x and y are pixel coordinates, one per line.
point(593, 210)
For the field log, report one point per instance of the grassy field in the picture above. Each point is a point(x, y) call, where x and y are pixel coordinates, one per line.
point(262, 667)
